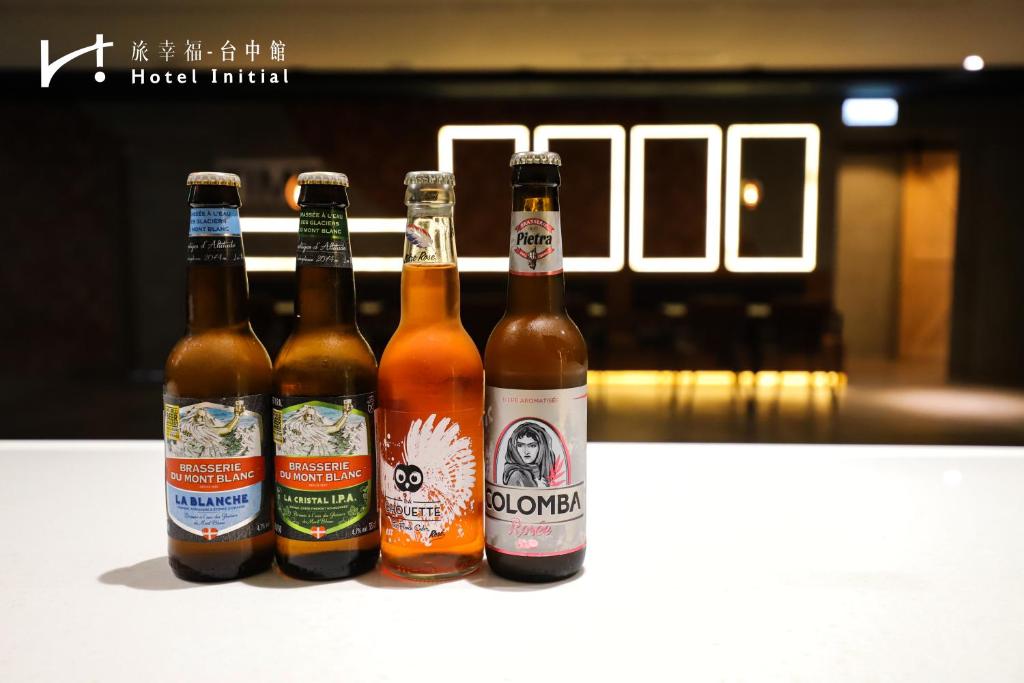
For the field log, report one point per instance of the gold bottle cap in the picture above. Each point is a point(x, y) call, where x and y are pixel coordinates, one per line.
point(545, 158)
point(323, 178)
point(214, 178)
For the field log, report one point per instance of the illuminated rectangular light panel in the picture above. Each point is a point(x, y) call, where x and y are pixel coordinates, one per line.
point(520, 135)
point(542, 137)
point(286, 264)
point(446, 138)
point(870, 111)
point(447, 135)
point(708, 263)
point(735, 136)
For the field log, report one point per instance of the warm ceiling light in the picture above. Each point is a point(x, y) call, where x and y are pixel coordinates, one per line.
point(750, 194)
point(974, 63)
point(291, 192)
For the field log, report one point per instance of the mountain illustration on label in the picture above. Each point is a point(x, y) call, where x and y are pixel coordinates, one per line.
point(320, 429)
point(534, 238)
point(437, 471)
point(211, 430)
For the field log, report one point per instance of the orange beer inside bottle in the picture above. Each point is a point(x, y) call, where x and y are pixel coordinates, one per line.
point(431, 400)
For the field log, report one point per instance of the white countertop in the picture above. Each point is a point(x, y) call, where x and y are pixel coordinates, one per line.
point(705, 563)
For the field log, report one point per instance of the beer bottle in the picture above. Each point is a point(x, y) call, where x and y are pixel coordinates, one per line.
point(430, 419)
point(216, 404)
point(325, 381)
point(536, 364)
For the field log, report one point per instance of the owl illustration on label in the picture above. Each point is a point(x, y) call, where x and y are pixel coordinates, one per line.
point(437, 469)
point(408, 478)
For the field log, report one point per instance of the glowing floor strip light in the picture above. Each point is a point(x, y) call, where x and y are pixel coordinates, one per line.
point(763, 379)
point(447, 135)
point(699, 264)
point(542, 136)
point(771, 264)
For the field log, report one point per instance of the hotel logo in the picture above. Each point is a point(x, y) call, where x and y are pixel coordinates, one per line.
point(47, 68)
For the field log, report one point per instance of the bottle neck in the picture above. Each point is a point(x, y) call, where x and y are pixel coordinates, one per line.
point(325, 282)
point(430, 275)
point(218, 288)
point(326, 297)
point(536, 283)
point(218, 296)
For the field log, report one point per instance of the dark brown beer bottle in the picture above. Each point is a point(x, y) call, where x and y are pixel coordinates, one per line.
point(216, 404)
point(536, 373)
point(325, 382)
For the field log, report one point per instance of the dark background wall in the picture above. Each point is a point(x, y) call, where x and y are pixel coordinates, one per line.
point(94, 227)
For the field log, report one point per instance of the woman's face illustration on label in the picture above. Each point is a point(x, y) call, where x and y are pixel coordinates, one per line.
point(527, 447)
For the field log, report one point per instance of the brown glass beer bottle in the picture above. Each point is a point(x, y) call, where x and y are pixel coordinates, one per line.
point(430, 427)
point(216, 404)
point(536, 419)
point(325, 381)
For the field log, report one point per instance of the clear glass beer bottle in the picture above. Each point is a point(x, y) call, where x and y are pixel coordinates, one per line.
point(430, 388)
point(536, 363)
point(216, 404)
point(325, 381)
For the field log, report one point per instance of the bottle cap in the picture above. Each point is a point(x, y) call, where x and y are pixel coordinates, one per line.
point(545, 158)
point(323, 178)
point(430, 178)
point(214, 178)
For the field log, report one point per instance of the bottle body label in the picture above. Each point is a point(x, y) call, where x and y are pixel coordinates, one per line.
point(324, 467)
point(214, 237)
point(536, 243)
point(215, 468)
point(429, 471)
point(535, 498)
point(323, 238)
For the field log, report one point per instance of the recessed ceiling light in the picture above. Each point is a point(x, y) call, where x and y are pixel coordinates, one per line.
point(974, 63)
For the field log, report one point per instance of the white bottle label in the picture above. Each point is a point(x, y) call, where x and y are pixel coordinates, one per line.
point(536, 463)
point(536, 243)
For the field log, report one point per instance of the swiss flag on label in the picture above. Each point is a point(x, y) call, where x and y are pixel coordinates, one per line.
point(318, 532)
point(209, 533)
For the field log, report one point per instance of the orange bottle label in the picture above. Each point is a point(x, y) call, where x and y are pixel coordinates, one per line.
point(429, 468)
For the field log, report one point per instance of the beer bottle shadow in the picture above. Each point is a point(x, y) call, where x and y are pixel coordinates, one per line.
point(381, 577)
point(485, 578)
point(149, 575)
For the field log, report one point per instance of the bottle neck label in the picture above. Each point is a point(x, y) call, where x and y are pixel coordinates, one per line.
point(536, 243)
point(214, 221)
point(214, 237)
point(323, 238)
point(429, 239)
